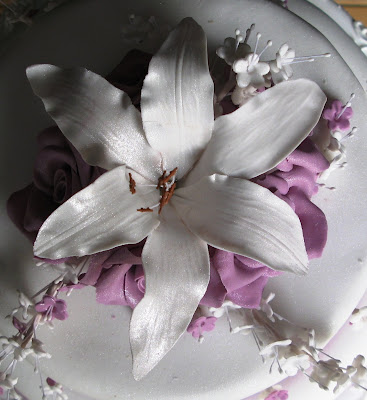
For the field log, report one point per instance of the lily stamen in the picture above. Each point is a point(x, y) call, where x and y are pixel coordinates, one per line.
point(168, 177)
point(160, 180)
point(132, 184)
point(166, 185)
point(166, 196)
point(349, 103)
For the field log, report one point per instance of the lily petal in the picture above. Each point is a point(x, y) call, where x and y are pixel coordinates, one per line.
point(96, 117)
point(244, 218)
point(261, 133)
point(176, 267)
point(100, 217)
point(177, 98)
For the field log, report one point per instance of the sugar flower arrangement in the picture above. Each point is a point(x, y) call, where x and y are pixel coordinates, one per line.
point(179, 188)
point(291, 349)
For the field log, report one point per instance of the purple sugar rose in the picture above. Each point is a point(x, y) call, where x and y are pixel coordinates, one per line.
point(118, 276)
point(294, 181)
point(338, 120)
point(59, 172)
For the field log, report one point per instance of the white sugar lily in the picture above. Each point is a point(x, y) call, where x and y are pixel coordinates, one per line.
point(212, 163)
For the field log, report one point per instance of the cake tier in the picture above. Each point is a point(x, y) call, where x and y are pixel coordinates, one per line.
point(91, 351)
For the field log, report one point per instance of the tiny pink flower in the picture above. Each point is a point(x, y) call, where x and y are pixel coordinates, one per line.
point(21, 326)
point(50, 382)
point(278, 395)
point(53, 307)
point(201, 325)
point(338, 119)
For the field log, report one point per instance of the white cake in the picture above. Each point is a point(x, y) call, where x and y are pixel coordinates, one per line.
point(90, 350)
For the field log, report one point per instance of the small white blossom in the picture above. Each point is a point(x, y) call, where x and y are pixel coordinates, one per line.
point(359, 316)
point(138, 28)
point(240, 96)
point(280, 67)
point(325, 373)
point(360, 377)
point(344, 380)
point(304, 340)
point(25, 306)
point(233, 48)
point(251, 71)
point(13, 395)
point(55, 392)
point(266, 307)
point(290, 359)
point(19, 353)
point(218, 312)
point(335, 152)
point(8, 382)
point(272, 349)
point(13, 346)
point(69, 272)
point(295, 363)
point(37, 347)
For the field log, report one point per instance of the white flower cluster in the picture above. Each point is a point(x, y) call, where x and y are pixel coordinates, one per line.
point(8, 384)
point(26, 319)
point(15, 349)
point(292, 348)
point(251, 74)
point(333, 144)
point(69, 270)
point(335, 151)
point(330, 373)
point(54, 392)
point(25, 306)
point(24, 344)
point(28, 313)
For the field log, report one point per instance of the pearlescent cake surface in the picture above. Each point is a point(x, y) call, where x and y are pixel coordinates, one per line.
point(94, 339)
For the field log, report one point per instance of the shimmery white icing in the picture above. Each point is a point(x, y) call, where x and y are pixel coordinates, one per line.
point(337, 274)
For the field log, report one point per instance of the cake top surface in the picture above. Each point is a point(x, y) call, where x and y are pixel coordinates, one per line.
point(328, 278)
